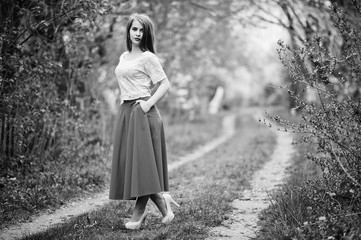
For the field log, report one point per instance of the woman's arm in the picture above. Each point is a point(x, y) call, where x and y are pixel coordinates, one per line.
point(163, 88)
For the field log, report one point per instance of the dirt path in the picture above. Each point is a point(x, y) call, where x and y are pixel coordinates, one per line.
point(47, 220)
point(242, 223)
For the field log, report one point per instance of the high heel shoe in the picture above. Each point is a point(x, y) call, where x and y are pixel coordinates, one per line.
point(170, 215)
point(138, 224)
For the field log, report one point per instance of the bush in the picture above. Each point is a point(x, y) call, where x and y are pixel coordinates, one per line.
point(311, 211)
point(334, 121)
point(329, 207)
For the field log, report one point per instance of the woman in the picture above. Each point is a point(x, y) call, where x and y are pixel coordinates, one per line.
point(139, 165)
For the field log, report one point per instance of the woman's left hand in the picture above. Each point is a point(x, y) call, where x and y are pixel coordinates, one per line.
point(144, 105)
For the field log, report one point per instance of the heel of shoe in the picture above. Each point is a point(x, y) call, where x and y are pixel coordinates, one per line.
point(145, 221)
point(170, 215)
point(170, 199)
point(174, 202)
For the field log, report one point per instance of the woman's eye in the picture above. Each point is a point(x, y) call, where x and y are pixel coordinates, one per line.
point(136, 29)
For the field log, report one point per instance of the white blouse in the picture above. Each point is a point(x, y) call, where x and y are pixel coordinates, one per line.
point(135, 77)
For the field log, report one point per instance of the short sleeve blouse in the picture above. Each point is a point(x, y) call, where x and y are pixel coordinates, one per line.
point(135, 77)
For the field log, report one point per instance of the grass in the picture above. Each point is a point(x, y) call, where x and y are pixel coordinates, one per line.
point(204, 188)
point(49, 188)
point(306, 208)
point(24, 195)
point(184, 137)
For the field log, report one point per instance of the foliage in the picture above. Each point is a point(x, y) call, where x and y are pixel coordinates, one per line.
point(326, 208)
point(48, 144)
point(333, 122)
point(304, 20)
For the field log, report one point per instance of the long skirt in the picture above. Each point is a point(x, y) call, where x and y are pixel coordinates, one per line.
point(139, 164)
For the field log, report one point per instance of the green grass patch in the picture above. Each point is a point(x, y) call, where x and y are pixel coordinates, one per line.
point(204, 188)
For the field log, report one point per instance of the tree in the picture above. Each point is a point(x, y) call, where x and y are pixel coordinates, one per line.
point(44, 64)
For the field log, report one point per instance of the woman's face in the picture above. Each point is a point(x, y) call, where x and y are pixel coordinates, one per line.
point(136, 32)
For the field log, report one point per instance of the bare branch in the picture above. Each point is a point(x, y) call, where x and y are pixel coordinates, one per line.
point(296, 16)
point(273, 22)
point(211, 11)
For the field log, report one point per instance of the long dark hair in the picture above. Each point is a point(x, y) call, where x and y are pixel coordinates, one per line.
point(147, 43)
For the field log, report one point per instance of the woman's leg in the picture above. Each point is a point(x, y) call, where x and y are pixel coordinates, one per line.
point(139, 208)
point(159, 201)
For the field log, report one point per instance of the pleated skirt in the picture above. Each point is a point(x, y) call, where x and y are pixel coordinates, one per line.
point(139, 163)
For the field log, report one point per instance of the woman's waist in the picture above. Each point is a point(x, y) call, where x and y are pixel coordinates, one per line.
point(145, 98)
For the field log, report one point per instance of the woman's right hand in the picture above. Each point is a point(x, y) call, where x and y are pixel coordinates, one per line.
point(144, 105)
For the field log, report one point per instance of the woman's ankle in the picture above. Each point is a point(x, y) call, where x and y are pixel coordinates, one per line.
point(159, 201)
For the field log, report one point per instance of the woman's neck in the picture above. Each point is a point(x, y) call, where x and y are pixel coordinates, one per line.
point(136, 50)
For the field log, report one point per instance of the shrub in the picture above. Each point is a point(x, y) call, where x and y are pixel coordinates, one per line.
point(334, 121)
point(326, 208)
